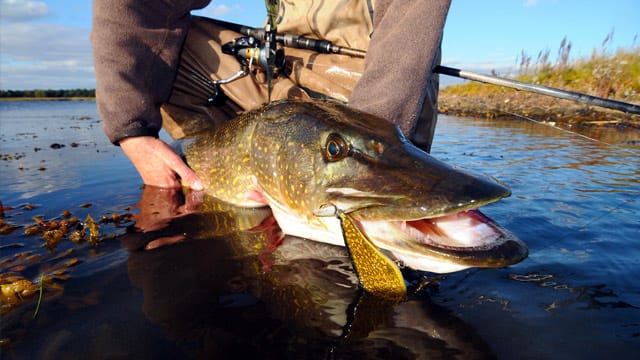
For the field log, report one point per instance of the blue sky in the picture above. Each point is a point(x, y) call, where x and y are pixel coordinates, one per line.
point(45, 43)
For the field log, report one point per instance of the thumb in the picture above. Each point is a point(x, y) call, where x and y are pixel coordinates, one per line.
point(191, 179)
point(187, 175)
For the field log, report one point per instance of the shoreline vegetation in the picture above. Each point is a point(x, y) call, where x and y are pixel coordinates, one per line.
point(611, 75)
point(49, 94)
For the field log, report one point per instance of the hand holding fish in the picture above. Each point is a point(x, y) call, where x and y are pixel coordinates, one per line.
point(158, 164)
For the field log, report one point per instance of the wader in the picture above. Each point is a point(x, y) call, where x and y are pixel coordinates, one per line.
point(197, 103)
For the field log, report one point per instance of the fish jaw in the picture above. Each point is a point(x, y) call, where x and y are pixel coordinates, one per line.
point(442, 244)
point(448, 243)
point(324, 229)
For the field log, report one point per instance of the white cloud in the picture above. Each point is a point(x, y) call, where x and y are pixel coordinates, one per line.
point(450, 61)
point(26, 41)
point(41, 55)
point(530, 3)
point(219, 10)
point(216, 11)
point(44, 55)
point(21, 10)
point(47, 75)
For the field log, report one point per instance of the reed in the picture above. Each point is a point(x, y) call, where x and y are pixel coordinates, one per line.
point(605, 73)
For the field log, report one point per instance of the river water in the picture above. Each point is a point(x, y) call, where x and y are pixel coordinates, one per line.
point(221, 292)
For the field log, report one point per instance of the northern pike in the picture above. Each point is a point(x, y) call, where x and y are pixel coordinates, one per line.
point(309, 160)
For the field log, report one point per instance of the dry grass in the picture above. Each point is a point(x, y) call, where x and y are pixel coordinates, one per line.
point(609, 75)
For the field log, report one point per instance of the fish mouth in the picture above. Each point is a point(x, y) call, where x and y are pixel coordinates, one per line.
point(447, 243)
point(440, 232)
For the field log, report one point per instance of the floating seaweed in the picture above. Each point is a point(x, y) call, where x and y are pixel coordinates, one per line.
point(16, 285)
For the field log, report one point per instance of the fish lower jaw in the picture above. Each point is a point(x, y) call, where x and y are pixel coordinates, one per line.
point(330, 233)
point(406, 246)
point(322, 229)
point(441, 245)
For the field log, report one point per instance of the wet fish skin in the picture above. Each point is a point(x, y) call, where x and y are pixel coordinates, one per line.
point(304, 158)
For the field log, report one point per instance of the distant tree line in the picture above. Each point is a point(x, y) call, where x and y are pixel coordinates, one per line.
point(41, 93)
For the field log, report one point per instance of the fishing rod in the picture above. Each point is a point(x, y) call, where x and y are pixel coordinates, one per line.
point(291, 40)
point(540, 89)
point(327, 47)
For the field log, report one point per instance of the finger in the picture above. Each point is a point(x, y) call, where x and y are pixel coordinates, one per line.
point(192, 180)
point(148, 156)
point(188, 176)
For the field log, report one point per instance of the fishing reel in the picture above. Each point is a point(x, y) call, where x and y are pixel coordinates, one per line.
point(260, 50)
point(250, 53)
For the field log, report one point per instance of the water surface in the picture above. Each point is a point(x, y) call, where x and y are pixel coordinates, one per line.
point(222, 290)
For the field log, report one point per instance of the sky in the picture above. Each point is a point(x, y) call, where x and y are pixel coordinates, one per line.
point(44, 44)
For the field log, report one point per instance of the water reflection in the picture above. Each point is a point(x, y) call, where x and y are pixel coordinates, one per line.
point(47, 144)
point(626, 135)
point(219, 286)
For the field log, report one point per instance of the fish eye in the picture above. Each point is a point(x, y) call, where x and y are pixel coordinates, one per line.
point(335, 148)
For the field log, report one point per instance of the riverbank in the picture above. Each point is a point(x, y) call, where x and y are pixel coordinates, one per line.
point(609, 76)
point(503, 103)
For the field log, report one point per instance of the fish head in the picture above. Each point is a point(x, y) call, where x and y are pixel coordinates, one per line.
point(313, 159)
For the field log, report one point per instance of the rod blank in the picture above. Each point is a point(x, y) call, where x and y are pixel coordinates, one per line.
point(540, 89)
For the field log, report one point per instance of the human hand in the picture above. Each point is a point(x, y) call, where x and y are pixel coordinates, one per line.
point(158, 164)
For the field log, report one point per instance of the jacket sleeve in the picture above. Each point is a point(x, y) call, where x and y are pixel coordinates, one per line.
point(404, 49)
point(136, 48)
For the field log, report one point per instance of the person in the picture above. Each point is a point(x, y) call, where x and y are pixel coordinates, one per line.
point(136, 48)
